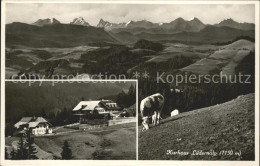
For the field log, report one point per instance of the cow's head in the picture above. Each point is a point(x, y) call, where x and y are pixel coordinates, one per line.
point(145, 123)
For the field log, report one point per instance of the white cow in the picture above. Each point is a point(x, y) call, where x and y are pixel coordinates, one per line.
point(151, 106)
point(175, 112)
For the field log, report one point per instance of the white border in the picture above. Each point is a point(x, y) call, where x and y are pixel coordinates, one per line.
point(139, 162)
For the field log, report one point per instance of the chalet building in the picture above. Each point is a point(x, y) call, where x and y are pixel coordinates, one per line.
point(107, 108)
point(36, 125)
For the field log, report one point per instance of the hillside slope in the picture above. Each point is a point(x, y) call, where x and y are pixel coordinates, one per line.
point(225, 59)
point(57, 35)
point(227, 126)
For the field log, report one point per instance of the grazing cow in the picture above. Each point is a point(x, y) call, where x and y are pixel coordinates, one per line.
point(151, 105)
point(175, 112)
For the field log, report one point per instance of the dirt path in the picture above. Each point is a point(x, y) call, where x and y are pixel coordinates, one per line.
point(86, 131)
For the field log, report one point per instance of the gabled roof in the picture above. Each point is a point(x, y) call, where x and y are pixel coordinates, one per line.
point(26, 119)
point(23, 121)
point(32, 122)
point(40, 119)
point(19, 124)
point(86, 105)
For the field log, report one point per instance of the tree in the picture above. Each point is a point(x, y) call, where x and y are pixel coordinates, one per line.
point(66, 153)
point(43, 113)
point(9, 129)
point(22, 151)
point(121, 99)
point(31, 149)
point(13, 154)
point(6, 154)
point(131, 96)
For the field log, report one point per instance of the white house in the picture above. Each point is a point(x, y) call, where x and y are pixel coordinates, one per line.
point(37, 125)
point(103, 107)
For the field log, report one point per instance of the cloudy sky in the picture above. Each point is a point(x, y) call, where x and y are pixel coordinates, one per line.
point(92, 13)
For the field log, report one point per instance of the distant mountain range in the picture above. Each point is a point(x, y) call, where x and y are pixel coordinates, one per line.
point(233, 24)
point(175, 26)
point(178, 25)
point(52, 33)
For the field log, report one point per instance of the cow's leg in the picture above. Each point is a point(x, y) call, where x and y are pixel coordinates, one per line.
point(154, 118)
point(158, 117)
point(145, 123)
point(143, 128)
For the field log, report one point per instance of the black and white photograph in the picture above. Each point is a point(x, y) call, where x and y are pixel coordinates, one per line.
point(130, 80)
point(70, 121)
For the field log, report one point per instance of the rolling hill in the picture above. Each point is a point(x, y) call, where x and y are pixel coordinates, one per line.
point(56, 35)
point(226, 126)
point(225, 59)
point(210, 34)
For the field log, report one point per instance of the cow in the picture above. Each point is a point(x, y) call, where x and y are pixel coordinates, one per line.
point(151, 105)
point(175, 112)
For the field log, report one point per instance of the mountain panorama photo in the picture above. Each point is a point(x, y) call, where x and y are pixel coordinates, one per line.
point(194, 66)
point(49, 48)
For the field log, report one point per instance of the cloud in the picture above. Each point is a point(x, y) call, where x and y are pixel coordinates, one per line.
point(92, 13)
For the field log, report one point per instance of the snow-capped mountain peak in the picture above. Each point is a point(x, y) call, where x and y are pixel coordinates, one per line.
point(80, 21)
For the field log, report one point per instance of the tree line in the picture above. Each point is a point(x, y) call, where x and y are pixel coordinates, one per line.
point(27, 151)
point(128, 99)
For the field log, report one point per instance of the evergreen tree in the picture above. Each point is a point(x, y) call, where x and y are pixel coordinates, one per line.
point(6, 154)
point(131, 96)
point(66, 153)
point(13, 154)
point(43, 113)
point(31, 149)
point(22, 151)
point(121, 99)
